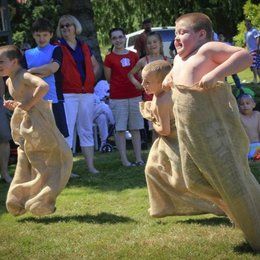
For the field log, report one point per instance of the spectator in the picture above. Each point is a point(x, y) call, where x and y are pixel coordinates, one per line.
point(45, 61)
point(140, 43)
point(250, 120)
point(103, 118)
point(79, 70)
point(124, 97)
point(252, 39)
point(154, 47)
point(5, 136)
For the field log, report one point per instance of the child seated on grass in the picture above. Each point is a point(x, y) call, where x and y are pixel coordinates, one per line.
point(213, 144)
point(44, 158)
point(168, 194)
point(251, 122)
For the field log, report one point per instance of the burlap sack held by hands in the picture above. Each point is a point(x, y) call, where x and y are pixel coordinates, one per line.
point(168, 194)
point(44, 162)
point(213, 149)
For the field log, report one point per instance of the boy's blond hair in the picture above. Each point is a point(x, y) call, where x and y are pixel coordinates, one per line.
point(198, 21)
point(11, 52)
point(160, 67)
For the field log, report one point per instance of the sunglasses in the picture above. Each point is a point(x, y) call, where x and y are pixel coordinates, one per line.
point(67, 25)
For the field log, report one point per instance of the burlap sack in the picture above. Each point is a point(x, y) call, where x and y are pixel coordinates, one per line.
point(44, 162)
point(213, 149)
point(168, 194)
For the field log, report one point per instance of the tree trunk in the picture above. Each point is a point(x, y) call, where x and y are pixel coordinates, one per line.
point(82, 10)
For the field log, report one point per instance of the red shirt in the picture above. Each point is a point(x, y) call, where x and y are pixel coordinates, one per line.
point(121, 65)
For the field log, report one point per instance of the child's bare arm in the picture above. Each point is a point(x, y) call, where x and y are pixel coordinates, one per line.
point(107, 72)
point(45, 70)
point(131, 75)
point(229, 59)
point(40, 90)
point(163, 126)
point(167, 83)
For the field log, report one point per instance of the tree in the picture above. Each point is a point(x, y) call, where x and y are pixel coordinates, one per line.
point(128, 14)
point(82, 9)
point(252, 12)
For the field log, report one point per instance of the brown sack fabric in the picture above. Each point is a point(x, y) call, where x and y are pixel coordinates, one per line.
point(168, 194)
point(213, 149)
point(44, 162)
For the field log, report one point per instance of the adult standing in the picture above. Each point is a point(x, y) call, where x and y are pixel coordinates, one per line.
point(124, 97)
point(79, 70)
point(140, 42)
point(252, 39)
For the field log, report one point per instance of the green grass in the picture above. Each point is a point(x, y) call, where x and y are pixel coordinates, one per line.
point(105, 217)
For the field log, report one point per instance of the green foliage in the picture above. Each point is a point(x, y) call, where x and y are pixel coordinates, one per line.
point(25, 14)
point(252, 12)
point(128, 14)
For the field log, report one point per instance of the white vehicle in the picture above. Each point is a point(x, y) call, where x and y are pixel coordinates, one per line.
point(167, 34)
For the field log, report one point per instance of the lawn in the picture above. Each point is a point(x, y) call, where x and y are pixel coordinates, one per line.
point(105, 216)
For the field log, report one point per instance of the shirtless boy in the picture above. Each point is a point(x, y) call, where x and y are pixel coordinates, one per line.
point(213, 144)
point(44, 159)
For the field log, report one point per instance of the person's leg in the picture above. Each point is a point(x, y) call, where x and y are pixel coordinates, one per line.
point(120, 112)
point(4, 158)
point(136, 141)
point(236, 80)
point(136, 123)
point(85, 129)
point(102, 124)
point(121, 146)
point(254, 70)
point(71, 105)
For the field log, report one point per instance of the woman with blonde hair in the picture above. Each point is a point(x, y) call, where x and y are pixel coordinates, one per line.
point(79, 71)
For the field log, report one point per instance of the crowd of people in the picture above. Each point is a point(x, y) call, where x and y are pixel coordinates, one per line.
point(198, 162)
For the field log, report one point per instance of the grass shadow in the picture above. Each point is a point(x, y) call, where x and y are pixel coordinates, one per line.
point(214, 221)
point(245, 248)
point(102, 218)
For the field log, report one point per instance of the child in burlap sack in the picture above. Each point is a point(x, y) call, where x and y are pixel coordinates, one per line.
point(213, 144)
point(44, 158)
point(168, 194)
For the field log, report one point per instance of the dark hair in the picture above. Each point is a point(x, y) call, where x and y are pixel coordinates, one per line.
point(147, 20)
point(116, 29)
point(198, 21)
point(42, 25)
point(11, 52)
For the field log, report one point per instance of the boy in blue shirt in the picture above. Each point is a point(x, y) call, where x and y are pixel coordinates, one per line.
point(45, 61)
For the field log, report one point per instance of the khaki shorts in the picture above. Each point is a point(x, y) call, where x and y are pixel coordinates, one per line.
point(126, 113)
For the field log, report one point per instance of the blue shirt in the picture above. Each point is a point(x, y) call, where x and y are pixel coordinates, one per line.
point(36, 57)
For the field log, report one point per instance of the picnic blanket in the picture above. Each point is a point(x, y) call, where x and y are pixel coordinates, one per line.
point(44, 161)
point(213, 148)
point(168, 194)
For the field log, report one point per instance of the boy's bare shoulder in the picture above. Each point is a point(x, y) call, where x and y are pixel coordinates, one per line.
point(164, 99)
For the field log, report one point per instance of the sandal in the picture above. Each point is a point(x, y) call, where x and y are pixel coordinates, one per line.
point(140, 163)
